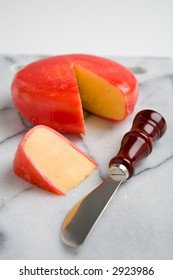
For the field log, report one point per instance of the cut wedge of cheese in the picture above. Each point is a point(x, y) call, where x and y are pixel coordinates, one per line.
point(53, 90)
point(49, 160)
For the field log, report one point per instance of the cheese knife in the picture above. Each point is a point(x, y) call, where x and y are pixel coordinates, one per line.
point(148, 127)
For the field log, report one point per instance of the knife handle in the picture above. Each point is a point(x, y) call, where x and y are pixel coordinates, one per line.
point(148, 127)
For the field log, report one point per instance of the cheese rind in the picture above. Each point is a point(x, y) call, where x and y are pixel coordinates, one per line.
point(49, 160)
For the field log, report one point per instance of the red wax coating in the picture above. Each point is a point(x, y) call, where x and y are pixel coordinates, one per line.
point(46, 91)
point(148, 127)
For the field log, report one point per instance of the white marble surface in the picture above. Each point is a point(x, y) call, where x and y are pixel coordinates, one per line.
point(138, 223)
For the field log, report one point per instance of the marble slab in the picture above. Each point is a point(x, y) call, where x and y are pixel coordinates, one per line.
point(138, 223)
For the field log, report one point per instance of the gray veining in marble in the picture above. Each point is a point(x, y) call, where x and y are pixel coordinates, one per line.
point(138, 223)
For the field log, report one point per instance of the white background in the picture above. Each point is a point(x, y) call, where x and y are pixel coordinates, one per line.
point(103, 27)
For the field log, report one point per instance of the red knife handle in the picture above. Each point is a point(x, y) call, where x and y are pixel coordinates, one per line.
point(148, 127)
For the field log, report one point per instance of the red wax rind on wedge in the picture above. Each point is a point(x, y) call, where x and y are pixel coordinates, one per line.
point(53, 90)
point(50, 161)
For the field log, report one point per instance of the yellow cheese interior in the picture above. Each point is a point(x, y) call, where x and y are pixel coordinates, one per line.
point(56, 159)
point(99, 96)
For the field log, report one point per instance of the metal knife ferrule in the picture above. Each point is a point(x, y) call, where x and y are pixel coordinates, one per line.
point(118, 172)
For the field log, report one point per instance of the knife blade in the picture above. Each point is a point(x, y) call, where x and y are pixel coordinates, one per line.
point(148, 126)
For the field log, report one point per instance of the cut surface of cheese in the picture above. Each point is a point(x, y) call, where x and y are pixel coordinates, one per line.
point(98, 96)
point(56, 159)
